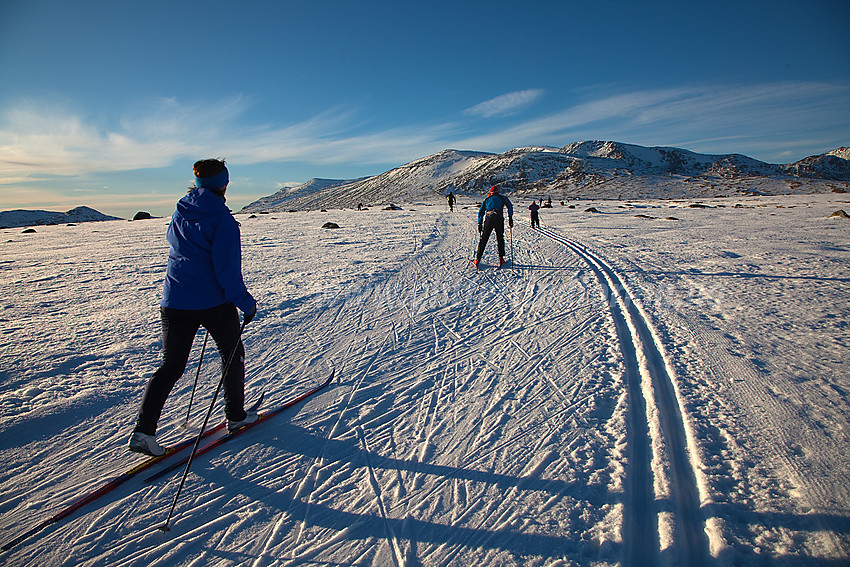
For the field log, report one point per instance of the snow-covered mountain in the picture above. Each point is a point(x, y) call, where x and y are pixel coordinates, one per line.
point(18, 218)
point(831, 165)
point(590, 169)
point(289, 193)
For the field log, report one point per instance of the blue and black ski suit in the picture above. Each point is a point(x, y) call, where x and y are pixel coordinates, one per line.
point(203, 287)
point(490, 218)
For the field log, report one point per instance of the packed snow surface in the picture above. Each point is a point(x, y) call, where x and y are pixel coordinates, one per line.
point(660, 382)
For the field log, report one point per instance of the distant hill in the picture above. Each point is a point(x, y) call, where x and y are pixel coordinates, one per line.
point(272, 202)
point(582, 170)
point(19, 218)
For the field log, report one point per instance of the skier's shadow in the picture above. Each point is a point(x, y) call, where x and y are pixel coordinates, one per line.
point(372, 525)
point(291, 507)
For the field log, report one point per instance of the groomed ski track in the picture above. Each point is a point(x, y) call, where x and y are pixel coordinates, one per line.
point(652, 392)
point(514, 416)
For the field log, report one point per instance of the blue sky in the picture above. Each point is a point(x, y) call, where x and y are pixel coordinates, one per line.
point(108, 103)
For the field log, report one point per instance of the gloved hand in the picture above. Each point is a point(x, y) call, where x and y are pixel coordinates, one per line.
point(480, 228)
point(248, 317)
point(511, 222)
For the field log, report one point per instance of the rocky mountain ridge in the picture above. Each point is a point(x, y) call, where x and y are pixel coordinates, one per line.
point(581, 170)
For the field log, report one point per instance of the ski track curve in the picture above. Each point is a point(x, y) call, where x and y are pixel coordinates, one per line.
point(652, 392)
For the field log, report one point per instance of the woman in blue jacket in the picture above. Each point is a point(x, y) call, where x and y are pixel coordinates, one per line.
point(203, 287)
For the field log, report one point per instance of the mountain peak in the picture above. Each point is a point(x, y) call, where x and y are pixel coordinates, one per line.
point(588, 169)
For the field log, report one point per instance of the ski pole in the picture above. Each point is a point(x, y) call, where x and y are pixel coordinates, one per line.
point(476, 240)
point(164, 527)
point(511, 233)
point(195, 387)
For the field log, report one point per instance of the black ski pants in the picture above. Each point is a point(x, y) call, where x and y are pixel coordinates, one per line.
point(491, 223)
point(179, 327)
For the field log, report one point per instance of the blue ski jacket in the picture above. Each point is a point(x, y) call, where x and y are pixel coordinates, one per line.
point(205, 256)
point(495, 202)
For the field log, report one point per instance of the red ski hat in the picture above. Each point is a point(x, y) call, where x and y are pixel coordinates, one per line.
point(494, 189)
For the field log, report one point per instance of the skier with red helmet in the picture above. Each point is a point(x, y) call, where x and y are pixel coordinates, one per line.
point(490, 218)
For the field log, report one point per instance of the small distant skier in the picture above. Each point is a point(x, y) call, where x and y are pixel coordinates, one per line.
point(490, 218)
point(451, 199)
point(535, 217)
point(203, 287)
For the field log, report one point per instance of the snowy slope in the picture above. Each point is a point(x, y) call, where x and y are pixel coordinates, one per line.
point(590, 170)
point(410, 182)
point(279, 199)
point(834, 165)
point(655, 383)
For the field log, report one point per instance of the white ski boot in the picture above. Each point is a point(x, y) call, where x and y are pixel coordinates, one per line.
point(146, 444)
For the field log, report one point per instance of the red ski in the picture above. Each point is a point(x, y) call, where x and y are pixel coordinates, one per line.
point(225, 438)
point(106, 488)
point(113, 484)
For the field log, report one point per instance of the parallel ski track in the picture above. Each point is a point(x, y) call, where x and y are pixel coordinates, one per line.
point(639, 344)
point(502, 512)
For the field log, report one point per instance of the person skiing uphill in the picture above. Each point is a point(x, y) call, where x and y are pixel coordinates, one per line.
point(490, 218)
point(535, 216)
point(203, 287)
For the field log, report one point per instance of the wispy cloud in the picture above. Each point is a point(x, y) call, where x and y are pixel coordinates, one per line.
point(506, 104)
point(38, 141)
point(760, 120)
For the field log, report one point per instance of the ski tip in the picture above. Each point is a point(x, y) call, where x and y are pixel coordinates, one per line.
point(328, 380)
point(259, 402)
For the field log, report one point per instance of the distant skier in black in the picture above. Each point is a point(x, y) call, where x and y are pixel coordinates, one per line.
point(535, 218)
point(490, 218)
point(451, 199)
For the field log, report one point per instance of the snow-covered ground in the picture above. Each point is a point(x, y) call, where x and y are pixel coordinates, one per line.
point(635, 389)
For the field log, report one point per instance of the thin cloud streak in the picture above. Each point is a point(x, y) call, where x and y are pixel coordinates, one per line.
point(762, 118)
point(506, 104)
